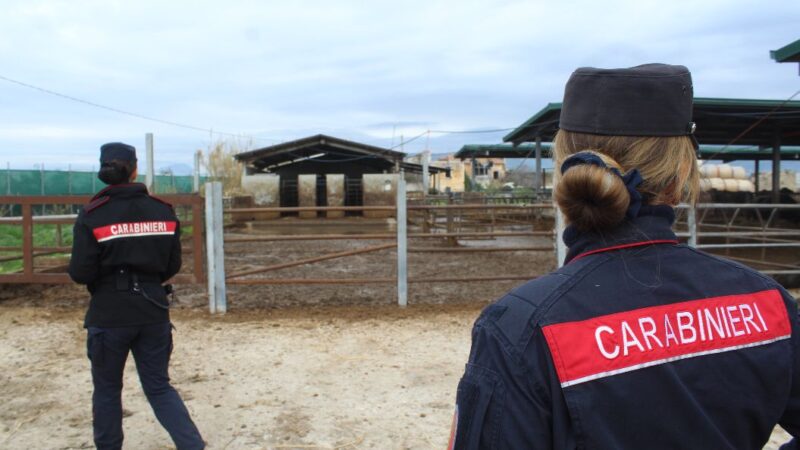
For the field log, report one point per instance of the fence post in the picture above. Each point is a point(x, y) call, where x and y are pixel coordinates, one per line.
point(214, 250)
point(402, 250)
point(196, 174)
point(561, 248)
point(691, 221)
point(150, 178)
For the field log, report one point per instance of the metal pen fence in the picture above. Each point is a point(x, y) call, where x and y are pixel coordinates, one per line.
point(739, 228)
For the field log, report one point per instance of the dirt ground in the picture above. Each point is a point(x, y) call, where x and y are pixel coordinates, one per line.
point(376, 377)
point(289, 367)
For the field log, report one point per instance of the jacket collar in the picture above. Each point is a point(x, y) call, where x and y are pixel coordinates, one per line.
point(115, 190)
point(653, 225)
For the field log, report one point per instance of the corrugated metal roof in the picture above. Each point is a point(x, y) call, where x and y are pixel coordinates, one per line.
point(719, 121)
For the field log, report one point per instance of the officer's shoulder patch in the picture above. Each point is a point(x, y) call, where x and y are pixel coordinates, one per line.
point(95, 203)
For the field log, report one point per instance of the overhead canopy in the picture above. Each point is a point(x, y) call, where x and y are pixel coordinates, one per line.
point(328, 149)
point(745, 153)
point(502, 151)
point(789, 53)
point(719, 121)
point(716, 152)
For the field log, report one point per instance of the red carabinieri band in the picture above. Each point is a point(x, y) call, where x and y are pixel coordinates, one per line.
point(134, 229)
point(617, 343)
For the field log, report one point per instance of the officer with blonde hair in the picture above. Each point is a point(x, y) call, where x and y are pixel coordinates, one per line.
point(637, 341)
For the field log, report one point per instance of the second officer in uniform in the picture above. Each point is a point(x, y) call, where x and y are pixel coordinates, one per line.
point(126, 244)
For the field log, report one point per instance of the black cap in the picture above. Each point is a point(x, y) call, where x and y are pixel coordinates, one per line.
point(646, 100)
point(118, 151)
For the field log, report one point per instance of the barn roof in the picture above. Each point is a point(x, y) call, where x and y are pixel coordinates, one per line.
point(327, 149)
point(719, 121)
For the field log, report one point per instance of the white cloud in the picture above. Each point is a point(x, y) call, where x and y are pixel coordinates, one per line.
point(284, 69)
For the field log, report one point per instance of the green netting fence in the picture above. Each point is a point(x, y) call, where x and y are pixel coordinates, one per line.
point(64, 182)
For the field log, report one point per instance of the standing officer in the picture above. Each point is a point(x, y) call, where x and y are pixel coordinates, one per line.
point(126, 244)
point(637, 342)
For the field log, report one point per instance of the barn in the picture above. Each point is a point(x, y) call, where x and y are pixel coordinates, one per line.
point(324, 170)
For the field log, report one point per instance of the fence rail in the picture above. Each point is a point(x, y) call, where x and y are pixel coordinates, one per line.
point(710, 226)
point(29, 252)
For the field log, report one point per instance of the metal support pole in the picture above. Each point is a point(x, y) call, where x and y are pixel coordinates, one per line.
point(691, 220)
point(472, 180)
point(196, 185)
point(214, 251)
point(151, 175)
point(561, 248)
point(538, 178)
point(776, 169)
point(402, 243)
point(426, 156)
point(757, 175)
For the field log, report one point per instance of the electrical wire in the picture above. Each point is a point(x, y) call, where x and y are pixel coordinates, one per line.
point(210, 130)
point(755, 124)
point(131, 114)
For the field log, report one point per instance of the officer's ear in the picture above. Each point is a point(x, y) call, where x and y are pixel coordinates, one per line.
point(134, 174)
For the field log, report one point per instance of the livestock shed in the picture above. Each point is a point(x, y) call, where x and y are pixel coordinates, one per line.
point(324, 170)
point(771, 126)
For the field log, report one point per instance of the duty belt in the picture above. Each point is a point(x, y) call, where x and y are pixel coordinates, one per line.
point(127, 280)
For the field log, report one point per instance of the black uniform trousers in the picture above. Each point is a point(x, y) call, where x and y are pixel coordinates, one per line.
point(151, 346)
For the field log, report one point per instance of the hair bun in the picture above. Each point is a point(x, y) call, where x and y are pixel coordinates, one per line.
point(114, 172)
point(592, 197)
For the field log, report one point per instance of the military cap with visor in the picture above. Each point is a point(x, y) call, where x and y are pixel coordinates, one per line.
point(646, 100)
point(117, 151)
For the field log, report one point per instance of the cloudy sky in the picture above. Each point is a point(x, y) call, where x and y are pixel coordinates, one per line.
point(372, 71)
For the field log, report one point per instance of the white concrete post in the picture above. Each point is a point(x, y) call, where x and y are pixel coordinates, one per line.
point(151, 175)
point(402, 243)
point(196, 185)
point(561, 248)
point(214, 251)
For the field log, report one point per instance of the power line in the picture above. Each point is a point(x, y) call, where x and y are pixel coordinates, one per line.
point(128, 113)
point(755, 124)
point(210, 130)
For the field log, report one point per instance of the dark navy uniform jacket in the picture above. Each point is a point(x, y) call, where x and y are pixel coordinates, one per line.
point(636, 343)
point(125, 236)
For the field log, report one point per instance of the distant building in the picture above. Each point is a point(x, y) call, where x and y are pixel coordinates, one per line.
point(324, 170)
point(487, 171)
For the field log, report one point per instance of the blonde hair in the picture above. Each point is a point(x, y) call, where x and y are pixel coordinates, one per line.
point(591, 197)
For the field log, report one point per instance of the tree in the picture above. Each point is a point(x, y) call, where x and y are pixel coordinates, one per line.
point(221, 165)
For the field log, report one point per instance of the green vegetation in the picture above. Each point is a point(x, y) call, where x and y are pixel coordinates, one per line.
point(44, 235)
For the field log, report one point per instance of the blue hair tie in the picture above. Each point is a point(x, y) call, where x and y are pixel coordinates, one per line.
point(631, 180)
